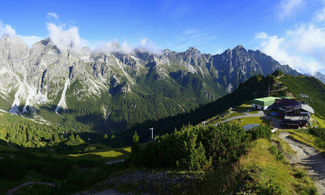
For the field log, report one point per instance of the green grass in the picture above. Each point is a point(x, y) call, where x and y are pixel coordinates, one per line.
point(284, 146)
point(314, 88)
point(249, 120)
point(107, 153)
point(320, 122)
point(306, 138)
point(234, 114)
point(254, 112)
point(243, 108)
point(270, 175)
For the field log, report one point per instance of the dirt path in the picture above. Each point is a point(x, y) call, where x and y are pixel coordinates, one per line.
point(13, 190)
point(114, 161)
point(309, 158)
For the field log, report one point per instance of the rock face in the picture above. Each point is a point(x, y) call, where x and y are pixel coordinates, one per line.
point(43, 75)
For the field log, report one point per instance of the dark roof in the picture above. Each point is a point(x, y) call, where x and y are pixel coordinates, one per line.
point(288, 104)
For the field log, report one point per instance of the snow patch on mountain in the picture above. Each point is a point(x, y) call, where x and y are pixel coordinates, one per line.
point(190, 68)
point(118, 62)
point(62, 103)
point(96, 87)
point(28, 94)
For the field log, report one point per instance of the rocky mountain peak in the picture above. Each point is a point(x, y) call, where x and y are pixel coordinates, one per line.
point(85, 74)
point(239, 48)
point(192, 50)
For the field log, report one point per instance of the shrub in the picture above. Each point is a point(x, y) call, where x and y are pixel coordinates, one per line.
point(320, 134)
point(195, 148)
point(276, 152)
point(260, 132)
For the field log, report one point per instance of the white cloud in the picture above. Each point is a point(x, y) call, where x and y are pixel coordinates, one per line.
point(288, 8)
point(6, 29)
point(68, 38)
point(148, 46)
point(124, 48)
point(30, 40)
point(290, 50)
point(261, 35)
point(307, 38)
point(52, 15)
point(114, 47)
point(302, 47)
point(65, 39)
point(320, 15)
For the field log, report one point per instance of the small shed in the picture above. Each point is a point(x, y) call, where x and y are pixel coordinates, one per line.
point(263, 103)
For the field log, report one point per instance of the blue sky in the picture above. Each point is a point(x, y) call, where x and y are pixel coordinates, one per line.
point(291, 31)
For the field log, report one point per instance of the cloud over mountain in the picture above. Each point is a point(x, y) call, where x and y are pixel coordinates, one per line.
point(65, 38)
point(6, 29)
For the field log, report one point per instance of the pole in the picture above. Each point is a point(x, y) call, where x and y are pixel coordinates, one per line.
point(151, 129)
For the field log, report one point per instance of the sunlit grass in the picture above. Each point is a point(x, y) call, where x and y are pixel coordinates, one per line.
point(306, 138)
point(268, 174)
point(249, 120)
point(110, 153)
point(321, 122)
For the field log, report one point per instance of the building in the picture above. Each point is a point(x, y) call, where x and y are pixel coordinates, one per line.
point(295, 114)
point(263, 103)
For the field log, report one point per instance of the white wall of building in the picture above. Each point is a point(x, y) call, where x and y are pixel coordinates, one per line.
point(259, 107)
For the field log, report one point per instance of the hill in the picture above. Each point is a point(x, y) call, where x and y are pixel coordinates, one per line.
point(276, 84)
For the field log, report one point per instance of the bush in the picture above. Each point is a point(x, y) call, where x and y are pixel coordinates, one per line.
point(181, 149)
point(320, 134)
point(276, 152)
point(260, 132)
point(195, 148)
point(224, 143)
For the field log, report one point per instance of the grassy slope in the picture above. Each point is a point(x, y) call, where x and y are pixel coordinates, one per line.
point(314, 88)
point(271, 175)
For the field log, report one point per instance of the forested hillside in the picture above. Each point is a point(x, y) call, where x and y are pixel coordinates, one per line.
point(276, 84)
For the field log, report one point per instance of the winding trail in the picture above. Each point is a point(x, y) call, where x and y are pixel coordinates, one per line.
point(114, 161)
point(310, 159)
point(13, 190)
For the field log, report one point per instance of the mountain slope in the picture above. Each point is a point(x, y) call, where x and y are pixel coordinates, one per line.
point(300, 86)
point(276, 84)
point(112, 91)
point(320, 76)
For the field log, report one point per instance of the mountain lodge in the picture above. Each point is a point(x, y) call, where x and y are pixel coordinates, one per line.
point(294, 114)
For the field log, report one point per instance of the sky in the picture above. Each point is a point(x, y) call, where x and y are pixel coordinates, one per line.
point(291, 31)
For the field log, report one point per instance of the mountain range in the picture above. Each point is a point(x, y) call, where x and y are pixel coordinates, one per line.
point(110, 91)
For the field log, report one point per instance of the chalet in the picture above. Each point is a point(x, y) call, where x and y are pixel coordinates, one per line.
point(295, 114)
